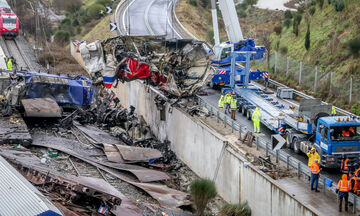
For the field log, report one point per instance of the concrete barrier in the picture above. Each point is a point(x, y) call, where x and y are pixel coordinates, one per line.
point(207, 154)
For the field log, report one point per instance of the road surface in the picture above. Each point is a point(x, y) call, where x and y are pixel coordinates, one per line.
point(148, 17)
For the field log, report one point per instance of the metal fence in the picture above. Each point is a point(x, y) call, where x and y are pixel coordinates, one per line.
point(280, 155)
point(344, 89)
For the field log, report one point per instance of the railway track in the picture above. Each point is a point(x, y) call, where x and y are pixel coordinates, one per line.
point(12, 48)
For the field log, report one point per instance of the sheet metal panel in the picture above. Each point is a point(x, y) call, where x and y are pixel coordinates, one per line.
point(22, 198)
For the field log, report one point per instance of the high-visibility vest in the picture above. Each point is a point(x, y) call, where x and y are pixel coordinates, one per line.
point(256, 115)
point(345, 133)
point(343, 187)
point(315, 168)
point(221, 102)
point(9, 65)
point(228, 99)
point(344, 164)
point(333, 110)
point(233, 104)
point(357, 171)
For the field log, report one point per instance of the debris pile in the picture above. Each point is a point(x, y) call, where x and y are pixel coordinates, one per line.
point(179, 67)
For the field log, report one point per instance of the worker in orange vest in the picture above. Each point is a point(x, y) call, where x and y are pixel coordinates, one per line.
point(342, 189)
point(345, 164)
point(315, 172)
point(355, 184)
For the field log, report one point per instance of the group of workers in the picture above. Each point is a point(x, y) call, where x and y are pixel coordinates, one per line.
point(229, 102)
point(350, 180)
point(9, 62)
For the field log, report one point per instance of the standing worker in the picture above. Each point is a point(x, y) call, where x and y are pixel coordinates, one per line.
point(233, 106)
point(315, 172)
point(221, 103)
point(101, 13)
point(312, 155)
point(256, 117)
point(344, 164)
point(228, 99)
point(9, 64)
point(333, 111)
point(342, 189)
point(6, 58)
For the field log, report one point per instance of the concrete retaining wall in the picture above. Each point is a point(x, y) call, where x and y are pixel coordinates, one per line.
point(200, 148)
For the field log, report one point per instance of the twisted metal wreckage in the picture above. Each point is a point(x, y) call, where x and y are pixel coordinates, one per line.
point(179, 67)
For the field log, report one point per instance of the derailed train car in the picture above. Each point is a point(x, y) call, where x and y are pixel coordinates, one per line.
point(179, 67)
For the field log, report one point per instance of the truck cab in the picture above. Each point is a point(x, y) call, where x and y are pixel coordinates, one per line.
point(338, 136)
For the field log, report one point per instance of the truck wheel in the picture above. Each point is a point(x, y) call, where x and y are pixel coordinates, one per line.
point(240, 108)
point(296, 145)
point(288, 142)
point(248, 115)
point(243, 110)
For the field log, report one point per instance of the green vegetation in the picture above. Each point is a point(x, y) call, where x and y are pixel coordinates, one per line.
point(241, 209)
point(329, 38)
point(80, 18)
point(202, 191)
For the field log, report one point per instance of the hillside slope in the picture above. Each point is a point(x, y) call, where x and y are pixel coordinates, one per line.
point(330, 33)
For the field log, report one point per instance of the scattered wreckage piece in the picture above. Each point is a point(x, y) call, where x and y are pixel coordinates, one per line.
point(126, 153)
point(13, 130)
point(19, 197)
point(167, 197)
point(41, 107)
point(180, 67)
point(65, 90)
point(72, 188)
point(64, 145)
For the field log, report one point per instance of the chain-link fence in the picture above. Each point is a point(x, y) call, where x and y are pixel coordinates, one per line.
point(326, 84)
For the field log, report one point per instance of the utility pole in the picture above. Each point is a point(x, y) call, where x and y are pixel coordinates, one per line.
point(37, 28)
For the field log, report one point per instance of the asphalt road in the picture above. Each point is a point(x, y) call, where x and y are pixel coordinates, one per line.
point(148, 17)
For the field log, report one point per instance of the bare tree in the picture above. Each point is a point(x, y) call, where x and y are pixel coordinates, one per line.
point(267, 43)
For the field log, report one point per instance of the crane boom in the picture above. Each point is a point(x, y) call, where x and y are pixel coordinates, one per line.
point(232, 25)
point(215, 23)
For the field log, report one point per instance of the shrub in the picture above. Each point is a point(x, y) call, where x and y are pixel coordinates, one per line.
point(320, 3)
point(192, 2)
point(298, 18)
point(205, 3)
point(104, 2)
point(354, 47)
point(242, 14)
point(355, 108)
point(251, 2)
point(313, 2)
point(307, 38)
point(241, 209)
point(202, 191)
point(278, 30)
point(288, 14)
point(284, 50)
point(287, 23)
point(339, 5)
point(62, 36)
point(94, 10)
point(312, 10)
point(210, 36)
point(295, 28)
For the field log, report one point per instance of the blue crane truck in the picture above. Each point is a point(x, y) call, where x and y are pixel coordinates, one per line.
point(305, 124)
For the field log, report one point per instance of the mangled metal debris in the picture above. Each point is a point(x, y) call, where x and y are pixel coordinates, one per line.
point(13, 130)
point(73, 191)
point(179, 67)
point(41, 107)
point(69, 147)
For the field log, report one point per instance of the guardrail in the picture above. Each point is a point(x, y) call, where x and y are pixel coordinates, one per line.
point(280, 155)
